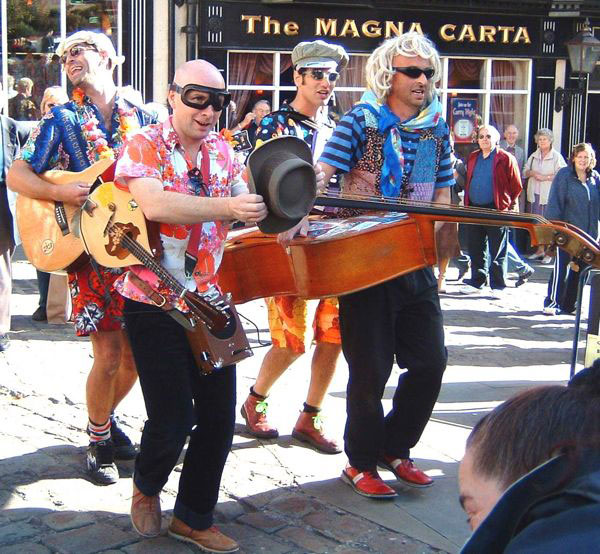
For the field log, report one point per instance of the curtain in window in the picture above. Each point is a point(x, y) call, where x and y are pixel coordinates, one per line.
point(502, 106)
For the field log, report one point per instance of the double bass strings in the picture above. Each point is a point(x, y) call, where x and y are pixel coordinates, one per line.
point(407, 203)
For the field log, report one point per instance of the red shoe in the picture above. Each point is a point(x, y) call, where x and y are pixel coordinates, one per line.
point(254, 411)
point(406, 471)
point(367, 483)
point(309, 428)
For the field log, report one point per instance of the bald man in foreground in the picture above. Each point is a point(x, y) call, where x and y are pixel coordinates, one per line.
point(184, 176)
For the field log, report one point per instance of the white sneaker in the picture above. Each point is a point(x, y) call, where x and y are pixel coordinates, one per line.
point(550, 311)
point(470, 289)
point(547, 260)
point(498, 294)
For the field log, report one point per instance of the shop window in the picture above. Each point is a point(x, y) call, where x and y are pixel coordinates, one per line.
point(85, 15)
point(508, 109)
point(466, 73)
point(509, 75)
point(32, 37)
point(250, 69)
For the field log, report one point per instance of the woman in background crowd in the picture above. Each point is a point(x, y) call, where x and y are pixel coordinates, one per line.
point(530, 478)
point(574, 198)
point(541, 168)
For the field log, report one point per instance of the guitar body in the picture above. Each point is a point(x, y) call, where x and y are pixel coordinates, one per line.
point(110, 205)
point(115, 233)
point(46, 227)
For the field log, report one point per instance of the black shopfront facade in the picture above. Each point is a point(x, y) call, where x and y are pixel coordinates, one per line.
point(499, 66)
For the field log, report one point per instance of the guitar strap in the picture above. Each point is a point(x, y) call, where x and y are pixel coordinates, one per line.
point(191, 253)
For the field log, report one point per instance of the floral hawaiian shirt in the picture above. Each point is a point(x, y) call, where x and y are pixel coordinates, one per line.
point(155, 153)
point(73, 136)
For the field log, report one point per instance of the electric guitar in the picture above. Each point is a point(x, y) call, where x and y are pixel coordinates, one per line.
point(47, 227)
point(114, 232)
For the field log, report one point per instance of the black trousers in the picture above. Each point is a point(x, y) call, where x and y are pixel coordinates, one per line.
point(563, 284)
point(402, 320)
point(487, 245)
point(180, 403)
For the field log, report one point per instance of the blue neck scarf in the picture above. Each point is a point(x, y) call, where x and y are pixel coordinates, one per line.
point(389, 126)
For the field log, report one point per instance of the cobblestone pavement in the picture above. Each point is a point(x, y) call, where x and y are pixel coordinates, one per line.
point(277, 496)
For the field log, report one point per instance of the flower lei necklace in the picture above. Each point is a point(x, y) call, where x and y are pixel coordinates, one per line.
point(98, 145)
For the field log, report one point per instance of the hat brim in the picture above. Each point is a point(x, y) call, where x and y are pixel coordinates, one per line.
point(293, 145)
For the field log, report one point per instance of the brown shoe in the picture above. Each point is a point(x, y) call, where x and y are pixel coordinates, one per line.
point(207, 540)
point(254, 411)
point(309, 428)
point(145, 513)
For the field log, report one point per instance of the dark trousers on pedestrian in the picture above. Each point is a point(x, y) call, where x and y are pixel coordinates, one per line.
point(397, 320)
point(563, 284)
point(43, 280)
point(180, 403)
point(487, 247)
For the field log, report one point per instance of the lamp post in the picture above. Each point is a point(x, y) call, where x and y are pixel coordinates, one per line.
point(584, 52)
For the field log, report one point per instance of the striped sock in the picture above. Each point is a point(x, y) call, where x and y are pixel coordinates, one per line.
point(97, 432)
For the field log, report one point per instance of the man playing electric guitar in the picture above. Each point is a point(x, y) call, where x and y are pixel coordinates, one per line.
point(185, 177)
point(71, 137)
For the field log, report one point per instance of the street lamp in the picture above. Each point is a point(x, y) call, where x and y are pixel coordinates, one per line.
point(584, 51)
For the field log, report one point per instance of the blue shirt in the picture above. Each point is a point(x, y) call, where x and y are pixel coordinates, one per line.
point(346, 147)
point(481, 190)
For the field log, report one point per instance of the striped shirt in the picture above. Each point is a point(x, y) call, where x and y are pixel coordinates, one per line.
point(346, 147)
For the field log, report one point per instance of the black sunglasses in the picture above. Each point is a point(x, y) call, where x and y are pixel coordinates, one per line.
point(200, 97)
point(196, 184)
point(320, 74)
point(485, 136)
point(74, 51)
point(415, 72)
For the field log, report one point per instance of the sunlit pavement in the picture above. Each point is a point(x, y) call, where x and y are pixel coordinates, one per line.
point(277, 496)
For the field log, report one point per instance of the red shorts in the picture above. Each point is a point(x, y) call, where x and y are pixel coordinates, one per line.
point(96, 305)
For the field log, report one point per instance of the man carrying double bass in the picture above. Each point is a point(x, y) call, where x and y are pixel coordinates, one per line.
point(395, 144)
point(92, 126)
point(184, 176)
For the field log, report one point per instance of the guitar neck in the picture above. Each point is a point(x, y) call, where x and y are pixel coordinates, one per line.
point(149, 262)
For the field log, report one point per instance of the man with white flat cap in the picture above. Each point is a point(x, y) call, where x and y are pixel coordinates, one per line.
point(92, 126)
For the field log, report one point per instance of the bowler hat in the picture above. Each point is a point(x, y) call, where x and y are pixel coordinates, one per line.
point(281, 171)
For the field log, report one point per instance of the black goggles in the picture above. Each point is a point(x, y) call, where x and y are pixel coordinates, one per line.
point(415, 72)
point(320, 74)
point(200, 97)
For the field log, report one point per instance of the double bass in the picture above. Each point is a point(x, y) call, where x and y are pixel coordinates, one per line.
point(395, 237)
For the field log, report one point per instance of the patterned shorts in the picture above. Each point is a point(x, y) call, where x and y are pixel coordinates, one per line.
point(287, 322)
point(96, 305)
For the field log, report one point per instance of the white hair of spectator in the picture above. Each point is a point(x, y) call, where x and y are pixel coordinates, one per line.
point(495, 134)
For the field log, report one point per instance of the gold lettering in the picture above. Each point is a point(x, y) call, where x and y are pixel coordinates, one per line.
point(467, 33)
point(291, 28)
point(416, 28)
point(505, 30)
point(371, 28)
point(251, 20)
point(522, 35)
point(326, 27)
point(392, 29)
point(447, 32)
point(349, 28)
point(487, 33)
point(268, 23)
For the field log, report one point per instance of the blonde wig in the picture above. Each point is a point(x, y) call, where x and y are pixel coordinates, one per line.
point(379, 70)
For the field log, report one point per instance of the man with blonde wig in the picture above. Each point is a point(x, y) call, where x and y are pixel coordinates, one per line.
point(393, 144)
